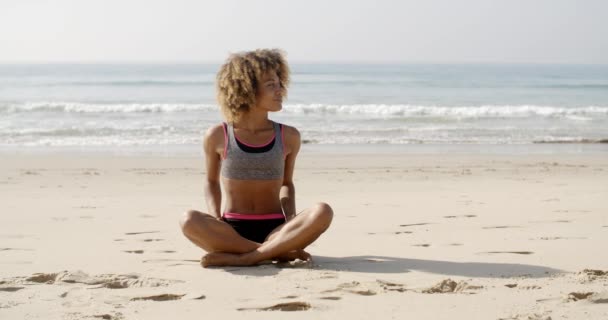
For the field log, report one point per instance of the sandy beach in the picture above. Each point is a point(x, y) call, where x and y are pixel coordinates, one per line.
point(418, 236)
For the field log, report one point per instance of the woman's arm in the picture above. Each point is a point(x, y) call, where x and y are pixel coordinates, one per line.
point(213, 145)
point(288, 190)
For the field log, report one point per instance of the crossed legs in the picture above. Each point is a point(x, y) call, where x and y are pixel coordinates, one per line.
point(226, 247)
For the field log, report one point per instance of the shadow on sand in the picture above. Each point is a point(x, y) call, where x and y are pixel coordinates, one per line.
point(383, 264)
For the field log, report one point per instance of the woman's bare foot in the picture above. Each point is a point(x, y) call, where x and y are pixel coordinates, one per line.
point(218, 259)
point(293, 255)
point(222, 259)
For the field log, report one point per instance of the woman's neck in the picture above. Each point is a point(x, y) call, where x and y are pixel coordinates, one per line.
point(253, 121)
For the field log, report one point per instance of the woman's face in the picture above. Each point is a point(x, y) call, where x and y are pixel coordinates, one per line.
point(269, 93)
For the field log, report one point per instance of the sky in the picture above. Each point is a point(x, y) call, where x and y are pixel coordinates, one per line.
point(379, 31)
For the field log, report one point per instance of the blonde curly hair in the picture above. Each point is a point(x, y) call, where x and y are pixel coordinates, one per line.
point(238, 79)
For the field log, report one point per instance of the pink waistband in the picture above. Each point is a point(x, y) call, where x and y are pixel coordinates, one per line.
point(247, 216)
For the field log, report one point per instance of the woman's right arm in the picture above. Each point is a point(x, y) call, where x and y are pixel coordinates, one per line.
point(213, 145)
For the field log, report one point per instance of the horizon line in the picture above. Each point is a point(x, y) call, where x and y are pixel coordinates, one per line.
point(292, 62)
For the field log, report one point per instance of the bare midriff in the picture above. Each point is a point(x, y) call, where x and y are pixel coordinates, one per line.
point(252, 196)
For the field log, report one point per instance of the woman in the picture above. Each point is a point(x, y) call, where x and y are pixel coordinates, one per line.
point(255, 159)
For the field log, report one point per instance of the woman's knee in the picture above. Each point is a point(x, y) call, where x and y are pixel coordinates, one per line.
point(323, 213)
point(189, 219)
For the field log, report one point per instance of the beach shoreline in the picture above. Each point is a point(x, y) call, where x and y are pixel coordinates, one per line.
point(189, 151)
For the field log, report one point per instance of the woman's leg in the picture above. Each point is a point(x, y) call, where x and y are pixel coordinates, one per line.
point(213, 235)
point(296, 234)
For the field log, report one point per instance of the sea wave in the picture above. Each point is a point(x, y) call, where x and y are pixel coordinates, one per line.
point(485, 111)
point(77, 107)
point(581, 113)
point(100, 130)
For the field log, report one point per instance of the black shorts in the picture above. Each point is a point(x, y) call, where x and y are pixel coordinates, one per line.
point(254, 230)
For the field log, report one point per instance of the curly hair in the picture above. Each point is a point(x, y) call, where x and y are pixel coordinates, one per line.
point(238, 78)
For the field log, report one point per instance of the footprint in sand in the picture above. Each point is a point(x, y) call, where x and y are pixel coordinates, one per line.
point(501, 227)
point(160, 297)
point(532, 287)
point(288, 306)
point(15, 249)
point(106, 316)
point(415, 224)
point(510, 252)
point(451, 286)
point(530, 316)
point(461, 216)
point(575, 296)
point(593, 272)
point(403, 232)
point(367, 289)
point(110, 281)
point(515, 285)
point(588, 275)
point(391, 286)
point(550, 221)
point(559, 238)
point(599, 297)
point(42, 278)
point(11, 289)
point(134, 251)
point(141, 232)
point(354, 287)
point(572, 211)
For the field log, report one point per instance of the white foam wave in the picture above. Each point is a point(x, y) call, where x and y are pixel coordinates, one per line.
point(584, 113)
point(115, 141)
point(76, 107)
point(486, 111)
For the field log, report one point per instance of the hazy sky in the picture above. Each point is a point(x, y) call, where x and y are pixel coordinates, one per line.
point(509, 31)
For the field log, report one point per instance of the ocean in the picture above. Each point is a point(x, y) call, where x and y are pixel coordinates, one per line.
point(163, 106)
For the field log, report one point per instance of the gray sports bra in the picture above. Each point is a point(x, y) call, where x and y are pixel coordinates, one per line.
point(247, 162)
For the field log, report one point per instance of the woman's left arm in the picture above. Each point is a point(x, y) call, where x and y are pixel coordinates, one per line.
point(288, 190)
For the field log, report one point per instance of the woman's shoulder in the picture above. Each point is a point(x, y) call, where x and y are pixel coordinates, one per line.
point(291, 138)
point(215, 130)
point(214, 136)
point(290, 133)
